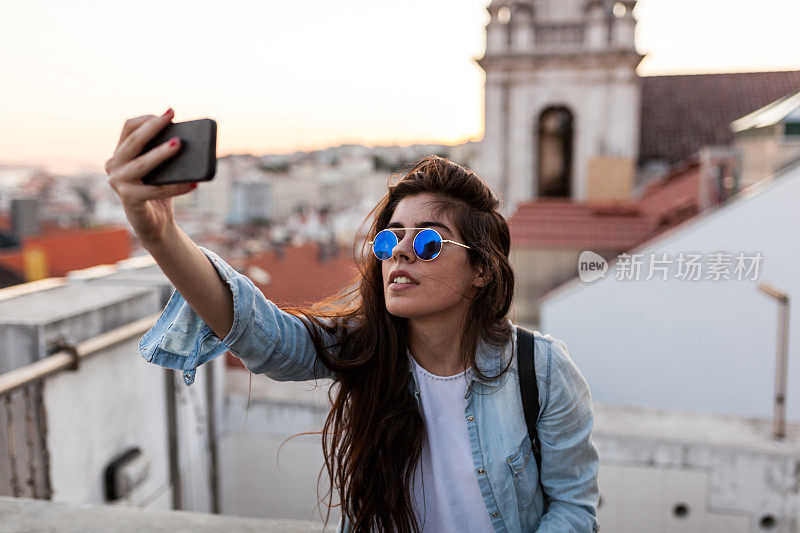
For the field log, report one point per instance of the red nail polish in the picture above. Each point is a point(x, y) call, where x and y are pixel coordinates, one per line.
point(167, 112)
point(173, 141)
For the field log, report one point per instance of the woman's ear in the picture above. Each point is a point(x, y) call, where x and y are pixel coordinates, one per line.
point(480, 279)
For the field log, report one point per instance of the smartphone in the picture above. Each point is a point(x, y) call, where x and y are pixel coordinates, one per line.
point(196, 159)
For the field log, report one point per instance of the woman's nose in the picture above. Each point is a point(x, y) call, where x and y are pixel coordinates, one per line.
point(405, 248)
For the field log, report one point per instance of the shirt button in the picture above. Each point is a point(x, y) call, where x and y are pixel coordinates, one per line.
point(480, 471)
point(470, 418)
point(494, 514)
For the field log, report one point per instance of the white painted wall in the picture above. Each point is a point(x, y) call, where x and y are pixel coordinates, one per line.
point(605, 108)
point(116, 401)
point(92, 416)
point(694, 345)
point(258, 479)
point(604, 104)
point(645, 498)
point(666, 470)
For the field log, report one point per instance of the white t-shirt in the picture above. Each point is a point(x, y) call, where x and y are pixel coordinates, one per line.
point(453, 499)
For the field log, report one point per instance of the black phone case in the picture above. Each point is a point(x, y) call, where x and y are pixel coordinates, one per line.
point(197, 158)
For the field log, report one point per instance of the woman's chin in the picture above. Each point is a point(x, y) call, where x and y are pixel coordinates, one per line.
point(403, 309)
point(400, 313)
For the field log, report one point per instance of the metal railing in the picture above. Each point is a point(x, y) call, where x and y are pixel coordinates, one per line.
point(69, 357)
point(31, 415)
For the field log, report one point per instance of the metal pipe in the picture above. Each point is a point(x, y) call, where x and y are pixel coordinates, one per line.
point(779, 423)
point(62, 360)
point(212, 437)
point(172, 439)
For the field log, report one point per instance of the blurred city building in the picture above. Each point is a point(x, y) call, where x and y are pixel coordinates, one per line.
point(32, 250)
point(50, 224)
point(769, 138)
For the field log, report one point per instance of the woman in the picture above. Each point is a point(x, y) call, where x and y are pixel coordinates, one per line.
point(427, 430)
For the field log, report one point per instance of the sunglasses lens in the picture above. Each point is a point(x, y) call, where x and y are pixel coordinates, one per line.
point(384, 243)
point(427, 244)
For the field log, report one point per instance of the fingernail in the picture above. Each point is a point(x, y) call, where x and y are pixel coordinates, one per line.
point(194, 185)
point(173, 142)
point(167, 112)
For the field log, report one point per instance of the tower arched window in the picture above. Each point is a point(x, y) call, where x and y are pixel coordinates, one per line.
point(554, 161)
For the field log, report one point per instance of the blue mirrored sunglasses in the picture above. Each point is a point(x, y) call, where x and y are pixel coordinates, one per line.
point(427, 243)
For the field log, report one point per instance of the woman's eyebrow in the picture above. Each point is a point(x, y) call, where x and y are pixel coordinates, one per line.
point(426, 224)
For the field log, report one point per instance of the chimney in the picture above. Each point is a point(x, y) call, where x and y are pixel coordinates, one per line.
point(25, 217)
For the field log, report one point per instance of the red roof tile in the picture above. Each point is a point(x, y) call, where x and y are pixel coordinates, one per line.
point(298, 277)
point(679, 114)
point(63, 250)
point(671, 193)
point(615, 226)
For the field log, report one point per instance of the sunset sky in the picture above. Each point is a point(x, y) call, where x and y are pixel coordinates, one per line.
point(292, 75)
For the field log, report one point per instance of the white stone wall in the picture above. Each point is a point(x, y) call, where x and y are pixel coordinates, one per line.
point(762, 155)
point(114, 402)
point(491, 162)
point(264, 475)
point(665, 470)
point(117, 401)
point(701, 345)
point(605, 109)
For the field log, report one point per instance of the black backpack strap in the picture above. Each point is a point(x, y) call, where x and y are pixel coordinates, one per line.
point(529, 391)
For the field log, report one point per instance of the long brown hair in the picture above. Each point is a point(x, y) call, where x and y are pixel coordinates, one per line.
point(373, 436)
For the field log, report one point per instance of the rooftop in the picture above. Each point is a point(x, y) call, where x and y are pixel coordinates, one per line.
point(679, 114)
point(699, 428)
point(786, 109)
point(619, 225)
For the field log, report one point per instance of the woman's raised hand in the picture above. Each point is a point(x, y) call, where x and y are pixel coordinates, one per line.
point(148, 207)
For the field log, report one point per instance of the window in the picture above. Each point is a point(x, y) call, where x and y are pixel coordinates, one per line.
point(791, 128)
point(554, 161)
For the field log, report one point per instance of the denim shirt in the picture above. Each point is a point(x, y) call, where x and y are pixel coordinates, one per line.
point(272, 342)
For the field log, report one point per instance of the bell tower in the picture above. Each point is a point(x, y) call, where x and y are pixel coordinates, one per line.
point(562, 96)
